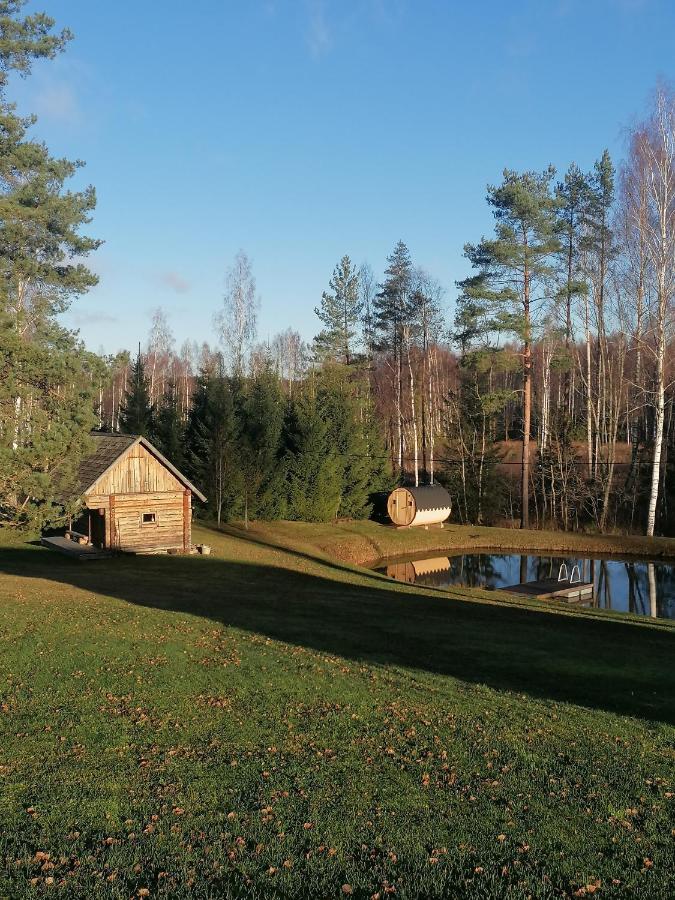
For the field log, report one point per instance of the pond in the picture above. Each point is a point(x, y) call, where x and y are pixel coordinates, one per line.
point(639, 586)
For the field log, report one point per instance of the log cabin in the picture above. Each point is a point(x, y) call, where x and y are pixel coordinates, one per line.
point(135, 500)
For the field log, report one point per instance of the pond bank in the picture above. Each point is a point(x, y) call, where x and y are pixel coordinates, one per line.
point(367, 543)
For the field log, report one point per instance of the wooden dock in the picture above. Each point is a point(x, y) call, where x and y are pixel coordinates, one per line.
point(80, 552)
point(551, 589)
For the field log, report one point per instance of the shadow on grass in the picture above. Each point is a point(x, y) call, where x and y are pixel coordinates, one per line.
point(604, 664)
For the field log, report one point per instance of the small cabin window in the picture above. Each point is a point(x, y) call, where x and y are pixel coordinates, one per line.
point(149, 518)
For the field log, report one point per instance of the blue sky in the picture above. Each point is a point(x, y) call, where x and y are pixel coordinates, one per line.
point(301, 130)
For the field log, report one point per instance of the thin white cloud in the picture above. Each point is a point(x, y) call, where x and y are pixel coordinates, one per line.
point(318, 30)
point(93, 318)
point(175, 281)
point(329, 23)
point(58, 102)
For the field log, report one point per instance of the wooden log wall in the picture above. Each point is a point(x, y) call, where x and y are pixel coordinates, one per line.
point(126, 530)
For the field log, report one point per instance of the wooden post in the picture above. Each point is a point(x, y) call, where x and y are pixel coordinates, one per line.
point(110, 523)
point(187, 529)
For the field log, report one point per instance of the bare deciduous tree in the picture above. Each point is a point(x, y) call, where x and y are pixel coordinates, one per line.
point(652, 163)
point(236, 322)
point(160, 352)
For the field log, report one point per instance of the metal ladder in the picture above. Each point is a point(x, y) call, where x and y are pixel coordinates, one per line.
point(567, 577)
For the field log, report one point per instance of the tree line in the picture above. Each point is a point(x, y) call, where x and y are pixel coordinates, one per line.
point(315, 455)
point(546, 399)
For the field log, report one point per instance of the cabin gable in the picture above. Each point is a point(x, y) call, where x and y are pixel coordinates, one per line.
point(136, 471)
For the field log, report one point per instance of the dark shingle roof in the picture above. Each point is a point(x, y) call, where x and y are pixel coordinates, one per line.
point(430, 496)
point(108, 449)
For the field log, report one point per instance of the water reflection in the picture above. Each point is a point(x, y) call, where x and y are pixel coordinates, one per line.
point(432, 571)
point(646, 588)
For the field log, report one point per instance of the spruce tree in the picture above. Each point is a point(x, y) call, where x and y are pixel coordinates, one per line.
point(137, 415)
point(313, 466)
point(262, 417)
point(212, 445)
point(340, 312)
point(357, 439)
point(168, 432)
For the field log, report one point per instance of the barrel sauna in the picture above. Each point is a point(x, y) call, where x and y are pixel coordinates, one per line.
point(428, 504)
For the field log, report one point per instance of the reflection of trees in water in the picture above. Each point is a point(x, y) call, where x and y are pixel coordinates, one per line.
point(523, 569)
point(651, 589)
point(476, 570)
point(647, 589)
point(636, 595)
point(651, 578)
point(603, 591)
point(665, 592)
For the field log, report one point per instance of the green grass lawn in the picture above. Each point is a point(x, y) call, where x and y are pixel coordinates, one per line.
point(272, 721)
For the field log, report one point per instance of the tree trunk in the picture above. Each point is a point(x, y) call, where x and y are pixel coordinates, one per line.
point(660, 416)
point(414, 420)
point(432, 423)
point(399, 402)
point(527, 406)
point(589, 395)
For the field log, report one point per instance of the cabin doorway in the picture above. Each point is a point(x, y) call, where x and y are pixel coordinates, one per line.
point(97, 527)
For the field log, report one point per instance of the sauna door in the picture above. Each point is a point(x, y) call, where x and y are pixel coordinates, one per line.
point(97, 528)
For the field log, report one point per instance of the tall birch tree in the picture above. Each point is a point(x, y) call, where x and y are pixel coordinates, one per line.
point(653, 160)
point(236, 322)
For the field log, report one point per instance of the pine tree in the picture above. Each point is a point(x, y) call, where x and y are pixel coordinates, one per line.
point(46, 414)
point(511, 268)
point(314, 478)
point(137, 415)
point(340, 312)
point(391, 314)
point(572, 196)
point(48, 379)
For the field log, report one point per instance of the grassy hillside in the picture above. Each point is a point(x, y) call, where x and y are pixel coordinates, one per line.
point(273, 722)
